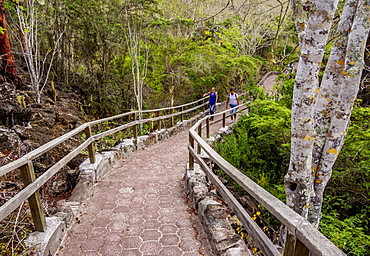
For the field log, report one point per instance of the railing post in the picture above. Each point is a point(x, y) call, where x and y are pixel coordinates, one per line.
point(223, 119)
point(172, 120)
point(200, 134)
point(134, 116)
point(159, 121)
point(294, 246)
point(90, 148)
point(182, 115)
point(191, 157)
point(207, 128)
point(28, 176)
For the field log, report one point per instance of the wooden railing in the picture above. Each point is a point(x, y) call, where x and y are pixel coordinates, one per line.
point(302, 237)
point(26, 167)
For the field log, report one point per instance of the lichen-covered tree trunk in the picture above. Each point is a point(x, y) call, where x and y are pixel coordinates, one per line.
point(321, 109)
point(8, 67)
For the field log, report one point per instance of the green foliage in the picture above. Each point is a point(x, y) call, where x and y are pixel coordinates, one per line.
point(347, 193)
point(285, 91)
point(347, 234)
point(259, 145)
point(260, 148)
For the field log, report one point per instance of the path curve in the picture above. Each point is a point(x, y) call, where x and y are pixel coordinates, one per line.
point(141, 208)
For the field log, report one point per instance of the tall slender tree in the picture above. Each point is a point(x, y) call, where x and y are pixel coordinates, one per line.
point(322, 108)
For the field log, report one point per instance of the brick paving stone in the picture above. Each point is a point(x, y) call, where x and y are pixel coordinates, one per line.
point(151, 224)
point(131, 252)
point(171, 251)
point(150, 247)
point(97, 232)
point(117, 226)
point(169, 240)
point(133, 231)
point(168, 229)
point(150, 234)
point(111, 249)
point(89, 253)
point(131, 242)
point(186, 232)
point(71, 250)
point(189, 245)
point(92, 244)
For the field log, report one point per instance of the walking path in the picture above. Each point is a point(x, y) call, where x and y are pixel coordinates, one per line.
point(141, 208)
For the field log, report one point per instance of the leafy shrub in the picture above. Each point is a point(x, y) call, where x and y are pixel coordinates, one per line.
point(260, 146)
point(347, 234)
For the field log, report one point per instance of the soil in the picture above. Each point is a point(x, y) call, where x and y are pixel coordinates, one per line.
point(26, 125)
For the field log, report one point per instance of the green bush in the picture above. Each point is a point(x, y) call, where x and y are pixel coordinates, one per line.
point(259, 145)
point(260, 148)
point(347, 234)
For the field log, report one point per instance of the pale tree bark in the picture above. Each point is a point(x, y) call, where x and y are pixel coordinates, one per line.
point(298, 181)
point(350, 73)
point(139, 63)
point(300, 10)
point(38, 68)
point(321, 112)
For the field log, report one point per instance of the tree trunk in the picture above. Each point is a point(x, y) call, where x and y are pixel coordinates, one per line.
point(8, 68)
point(321, 112)
point(344, 95)
point(298, 181)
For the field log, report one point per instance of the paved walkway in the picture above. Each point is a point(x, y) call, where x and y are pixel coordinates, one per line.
point(141, 208)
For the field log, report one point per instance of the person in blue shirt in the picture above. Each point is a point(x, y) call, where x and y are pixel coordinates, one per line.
point(213, 98)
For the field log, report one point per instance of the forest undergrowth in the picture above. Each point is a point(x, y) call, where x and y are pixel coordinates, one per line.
point(260, 147)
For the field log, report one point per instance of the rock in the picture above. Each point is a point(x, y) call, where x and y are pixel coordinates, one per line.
point(57, 187)
point(9, 140)
point(12, 113)
point(67, 119)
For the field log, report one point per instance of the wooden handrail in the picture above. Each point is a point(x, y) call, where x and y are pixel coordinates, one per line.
point(297, 226)
point(39, 151)
point(32, 186)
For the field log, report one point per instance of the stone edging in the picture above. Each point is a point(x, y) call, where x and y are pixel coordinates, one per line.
point(214, 214)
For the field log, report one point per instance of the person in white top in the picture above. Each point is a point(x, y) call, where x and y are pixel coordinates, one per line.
point(232, 101)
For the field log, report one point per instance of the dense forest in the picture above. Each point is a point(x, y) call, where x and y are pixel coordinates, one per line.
point(119, 55)
point(129, 54)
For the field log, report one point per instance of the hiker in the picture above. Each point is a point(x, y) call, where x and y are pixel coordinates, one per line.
point(213, 97)
point(233, 100)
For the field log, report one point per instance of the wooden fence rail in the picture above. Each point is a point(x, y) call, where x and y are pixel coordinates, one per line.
point(302, 237)
point(25, 163)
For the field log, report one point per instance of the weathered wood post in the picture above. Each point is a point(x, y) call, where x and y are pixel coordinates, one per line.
point(191, 157)
point(172, 120)
point(90, 148)
point(223, 119)
point(207, 127)
point(134, 116)
point(182, 115)
point(28, 176)
point(294, 246)
point(159, 126)
point(200, 134)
